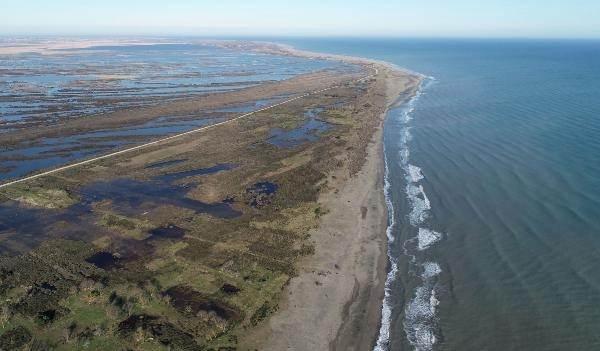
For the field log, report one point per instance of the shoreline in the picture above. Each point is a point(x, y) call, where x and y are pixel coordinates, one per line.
point(350, 264)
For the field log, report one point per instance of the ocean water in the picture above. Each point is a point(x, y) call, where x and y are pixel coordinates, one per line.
point(493, 179)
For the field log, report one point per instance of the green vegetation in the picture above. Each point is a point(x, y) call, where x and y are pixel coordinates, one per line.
point(125, 226)
point(37, 196)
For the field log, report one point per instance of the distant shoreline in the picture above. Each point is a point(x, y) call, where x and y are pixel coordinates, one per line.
point(49, 47)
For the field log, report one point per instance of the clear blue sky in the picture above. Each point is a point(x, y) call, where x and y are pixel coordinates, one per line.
point(463, 18)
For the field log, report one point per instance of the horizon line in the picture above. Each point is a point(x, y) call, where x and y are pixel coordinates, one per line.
point(290, 36)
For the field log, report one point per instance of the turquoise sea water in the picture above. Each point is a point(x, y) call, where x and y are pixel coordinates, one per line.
point(494, 179)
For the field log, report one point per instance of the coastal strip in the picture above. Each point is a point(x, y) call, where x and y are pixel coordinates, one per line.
point(349, 267)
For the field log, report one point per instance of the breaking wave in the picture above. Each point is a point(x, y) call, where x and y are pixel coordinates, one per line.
point(419, 202)
point(414, 174)
point(386, 309)
point(426, 238)
point(420, 314)
point(430, 270)
point(419, 323)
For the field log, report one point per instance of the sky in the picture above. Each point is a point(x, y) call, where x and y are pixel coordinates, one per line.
point(389, 18)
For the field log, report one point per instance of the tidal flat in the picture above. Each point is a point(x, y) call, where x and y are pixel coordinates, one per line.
point(188, 244)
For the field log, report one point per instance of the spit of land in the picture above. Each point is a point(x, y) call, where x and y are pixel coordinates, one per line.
point(266, 232)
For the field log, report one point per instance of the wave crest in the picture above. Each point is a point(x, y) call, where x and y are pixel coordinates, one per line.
point(426, 238)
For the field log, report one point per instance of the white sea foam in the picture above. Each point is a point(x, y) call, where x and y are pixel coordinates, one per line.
point(414, 174)
point(404, 155)
point(386, 311)
point(419, 323)
point(419, 202)
point(406, 114)
point(426, 238)
point(388, 201)
point(409, 107)
point(386, 308)
point(405, 137)
point(433, 301)
point(431, 270)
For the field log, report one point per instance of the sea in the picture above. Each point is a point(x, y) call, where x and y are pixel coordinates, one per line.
point(493, 188)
